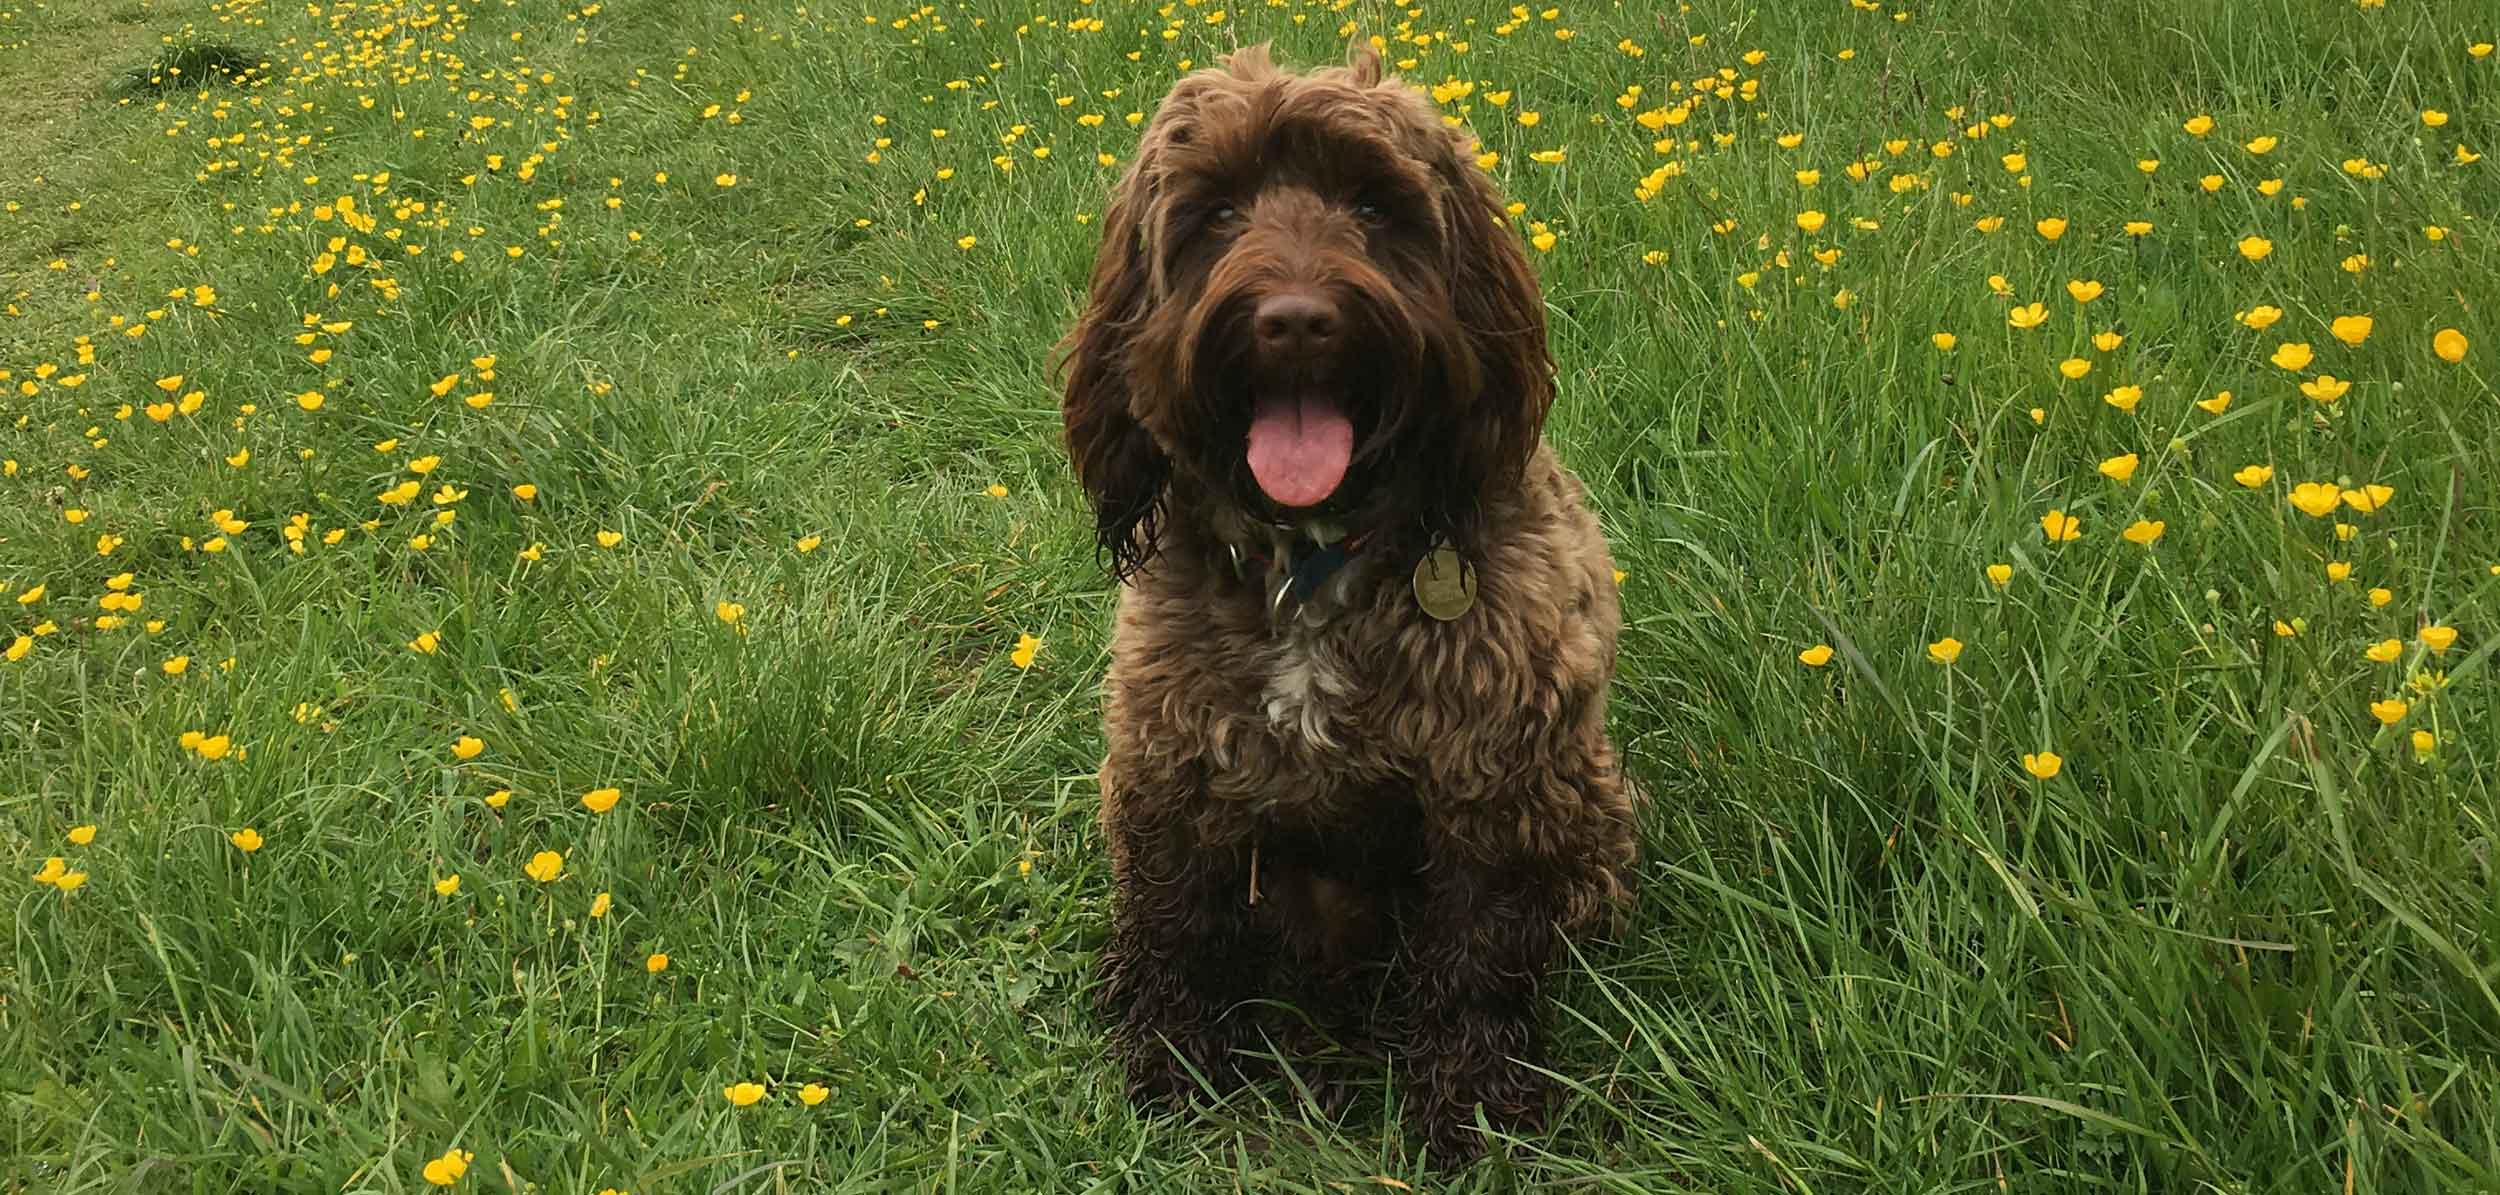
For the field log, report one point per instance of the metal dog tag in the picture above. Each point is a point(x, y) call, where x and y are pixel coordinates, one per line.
point(1445, 584)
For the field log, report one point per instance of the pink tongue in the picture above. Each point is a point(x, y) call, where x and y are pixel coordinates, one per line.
point(1299, 447)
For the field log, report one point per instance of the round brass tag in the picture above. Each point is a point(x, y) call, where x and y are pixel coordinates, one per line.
point(1445, 584)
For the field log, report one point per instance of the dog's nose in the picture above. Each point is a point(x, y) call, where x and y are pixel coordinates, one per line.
point(1296, 323)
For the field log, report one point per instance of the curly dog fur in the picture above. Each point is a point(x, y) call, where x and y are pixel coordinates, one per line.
point(1310, 781)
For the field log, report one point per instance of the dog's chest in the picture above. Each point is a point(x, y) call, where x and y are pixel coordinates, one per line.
point(1309, 692)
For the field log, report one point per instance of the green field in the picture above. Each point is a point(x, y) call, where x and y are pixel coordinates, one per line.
point(493, 404)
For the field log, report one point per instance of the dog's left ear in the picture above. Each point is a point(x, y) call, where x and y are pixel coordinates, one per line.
point(1501, 312)
point(1121, 469)
point(1363, 60)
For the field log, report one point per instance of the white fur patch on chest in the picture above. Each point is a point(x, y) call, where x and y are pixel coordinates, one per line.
point(1308, 688)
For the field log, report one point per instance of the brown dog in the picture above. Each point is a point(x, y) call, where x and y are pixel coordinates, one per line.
point(1357, 702)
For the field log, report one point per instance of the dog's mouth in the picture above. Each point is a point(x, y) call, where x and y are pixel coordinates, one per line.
point(1300, 445)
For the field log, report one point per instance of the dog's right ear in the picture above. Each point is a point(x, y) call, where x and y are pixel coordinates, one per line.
point(1363, 59)
point(1122, 471)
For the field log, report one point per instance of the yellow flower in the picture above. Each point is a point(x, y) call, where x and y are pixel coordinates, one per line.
point(545, 866)
point(426, 642)
point(2339, 571)
point(600, 800)
point(2051, 228)
point(2380, 597)
point(525, 492)
point(2390, 711)
point(498, 798)
point(2108, 341)
point(813, 1094)
point(82, 835)
point(2137, 228)
point(2000, 575)
point(1944, 341)
point(2369, 498)
point(2424, 742)
point(1026, 646)
point(2254, 476)
point(2255, 248)
point(2042, 766)
point(2124, 397)
point(995, 490)
point(609, 539)
point(2351, 329)
point(2262, 145)
point(2436, 637)
point(1816, 656)
point(807, 543)
point(2449, 344)
point(2143, 532)
point(213, 746)
point(466, 747)
point(2292, 355)
point(729, 612)
point(2119, 468)
point(2316, 499)
point(447, 885)
point(2385, 651)
point(2199, 125)
point(447, 1169)
point(2074, 368)
point(2260, 317)
point(2030, 315)
point(743, 1094)
point(724, 179)
point(18, 648)
point(2061, 527)
point(2326, 387)
point(2220, 402)
point(1811, 220)
point(245, 840)
point(1945, 650)
point(71, 881)
point(655, 964)
point(2433, 118)
point(600, 904)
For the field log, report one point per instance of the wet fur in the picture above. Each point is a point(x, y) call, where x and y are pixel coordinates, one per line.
point(1297, 806)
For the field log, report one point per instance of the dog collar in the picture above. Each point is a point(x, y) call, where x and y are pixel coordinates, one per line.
point(1304, 559)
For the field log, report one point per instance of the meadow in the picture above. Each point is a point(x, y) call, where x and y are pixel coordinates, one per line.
point(546, 643)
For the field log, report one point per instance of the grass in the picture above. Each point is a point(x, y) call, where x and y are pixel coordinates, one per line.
point(2242, 940)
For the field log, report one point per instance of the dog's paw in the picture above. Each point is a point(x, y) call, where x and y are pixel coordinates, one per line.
point(1170, 1067)
point(1513, 1100)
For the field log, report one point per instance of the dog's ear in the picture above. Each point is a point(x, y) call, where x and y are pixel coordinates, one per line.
point(1118, 464)
point(1252, 63)
point(1364, 60)
point(1501, 317)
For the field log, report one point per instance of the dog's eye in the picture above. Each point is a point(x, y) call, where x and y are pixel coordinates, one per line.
point(1222, 216)
point(1370, 213)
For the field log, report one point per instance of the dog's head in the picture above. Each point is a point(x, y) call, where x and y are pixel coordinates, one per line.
point(1307, 304)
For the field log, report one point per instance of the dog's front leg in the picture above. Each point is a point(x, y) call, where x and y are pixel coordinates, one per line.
point(1505, 881)
point(1184, 952)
